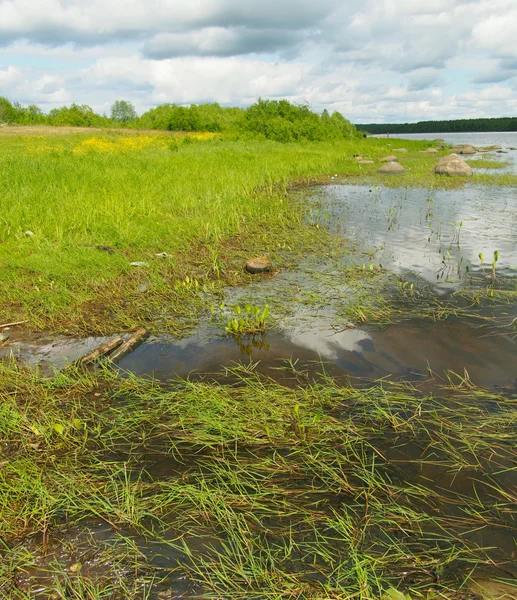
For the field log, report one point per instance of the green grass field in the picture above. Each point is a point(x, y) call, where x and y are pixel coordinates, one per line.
point(97, 202)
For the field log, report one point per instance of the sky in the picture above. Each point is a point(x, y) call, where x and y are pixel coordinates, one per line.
point(374, 61)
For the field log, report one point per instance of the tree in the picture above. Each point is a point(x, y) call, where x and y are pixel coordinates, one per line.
point(123, 111)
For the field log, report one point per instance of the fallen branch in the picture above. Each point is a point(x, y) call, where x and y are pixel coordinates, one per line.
point(129, 345)
point(12, 324)
point(101, 351)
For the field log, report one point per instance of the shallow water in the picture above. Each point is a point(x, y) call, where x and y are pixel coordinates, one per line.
point(415, 234)
point(431, 238)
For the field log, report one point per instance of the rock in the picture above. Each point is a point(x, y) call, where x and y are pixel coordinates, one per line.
point(389, 158)
point(432, 150)
point(161, 254)
point(453, 165)
point(467, 150)
point(392, 168)
point(495, 147)
point(399, 149)
point(29, 233)
point(501, 152)
point(365, 162)
point(139, 263)
point(439, 140)
point(258, 265)
point(3, 337)
point(107, 249)
point(358, 157)
point(512, 148)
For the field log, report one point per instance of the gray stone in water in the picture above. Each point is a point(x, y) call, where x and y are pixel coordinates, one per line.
point(467, 150)
point(438, 140)
point(392, 168)
point(501, 152)
point(389, 158)
point(139, 263)
point(258, 265)
point(453, 165)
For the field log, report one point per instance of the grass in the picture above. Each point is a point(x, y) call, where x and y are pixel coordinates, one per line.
point(117, 487)
point(488, 164)
point(321, 491)
point(187, 206)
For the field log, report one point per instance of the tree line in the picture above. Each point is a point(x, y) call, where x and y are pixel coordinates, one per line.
point(278, 120)
point(455, 126)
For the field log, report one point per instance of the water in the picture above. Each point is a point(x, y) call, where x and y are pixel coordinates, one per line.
point(506, 139)
point(432, 239)
point(429, 238)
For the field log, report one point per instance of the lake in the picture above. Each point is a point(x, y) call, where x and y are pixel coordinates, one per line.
point(482, 139)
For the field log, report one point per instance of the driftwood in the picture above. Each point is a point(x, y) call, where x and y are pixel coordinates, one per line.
point(101, 351)
point(12, 324)
point(129, 345)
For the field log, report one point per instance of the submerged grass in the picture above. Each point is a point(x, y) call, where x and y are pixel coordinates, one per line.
point(322, 491)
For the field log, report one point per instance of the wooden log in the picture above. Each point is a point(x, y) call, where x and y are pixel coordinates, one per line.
point(129, 345)
point(101, 351)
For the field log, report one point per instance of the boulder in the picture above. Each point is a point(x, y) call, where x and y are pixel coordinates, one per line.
point(365, 162)
point(399, 149)
point(389, 158)
point(495, 147)
point(432, 150)
point(453, 165)
point(258, 265)
point(392, 168)
point(501, 152)
point(467, 150)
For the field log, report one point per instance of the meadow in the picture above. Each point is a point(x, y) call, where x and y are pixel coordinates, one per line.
point(78, 209)
point(239, 486)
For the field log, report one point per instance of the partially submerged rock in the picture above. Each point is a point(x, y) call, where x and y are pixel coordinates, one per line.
point(258, 265)
point(392, 168)
point(468, 150)
point(389, 158)
point(453, 165)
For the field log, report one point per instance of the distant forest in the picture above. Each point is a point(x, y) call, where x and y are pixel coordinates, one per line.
point(277, 120)
point(459, 125)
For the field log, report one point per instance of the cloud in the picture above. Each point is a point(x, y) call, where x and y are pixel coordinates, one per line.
point(377, 60)
point(220, 41)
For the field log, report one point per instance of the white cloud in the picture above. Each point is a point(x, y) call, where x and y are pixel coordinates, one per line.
point(378, 60)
